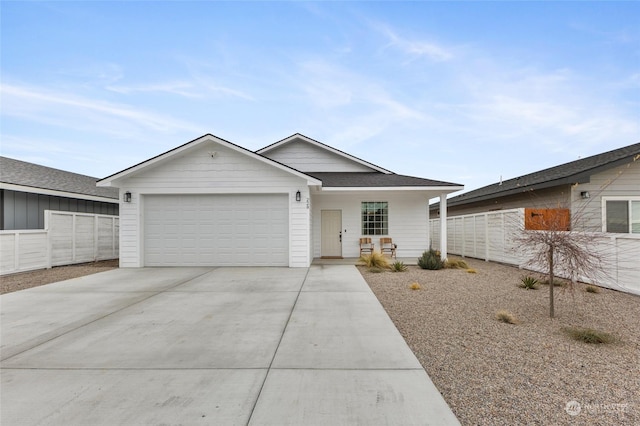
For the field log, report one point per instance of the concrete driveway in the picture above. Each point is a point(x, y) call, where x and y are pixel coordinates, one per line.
point(227, 346)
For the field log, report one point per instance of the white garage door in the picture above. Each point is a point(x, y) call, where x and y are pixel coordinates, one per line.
point(216, 230)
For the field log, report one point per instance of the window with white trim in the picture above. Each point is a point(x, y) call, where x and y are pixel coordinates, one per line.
point(622, 215)
point(375, 218)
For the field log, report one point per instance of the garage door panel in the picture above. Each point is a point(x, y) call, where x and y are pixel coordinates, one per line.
point(216, 230)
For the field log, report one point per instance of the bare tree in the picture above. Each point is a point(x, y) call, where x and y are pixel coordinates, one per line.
point(551, 247)
point(558, 241)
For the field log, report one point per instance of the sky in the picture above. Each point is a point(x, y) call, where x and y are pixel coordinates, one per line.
point(463, 92)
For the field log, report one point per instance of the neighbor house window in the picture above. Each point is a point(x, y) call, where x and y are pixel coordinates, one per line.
point(375, 218)
point(622, 216)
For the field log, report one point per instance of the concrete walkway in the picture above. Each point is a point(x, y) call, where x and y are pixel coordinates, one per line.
point(223, 346)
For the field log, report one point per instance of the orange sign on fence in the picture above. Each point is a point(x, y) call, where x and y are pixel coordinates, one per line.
point(547, 219)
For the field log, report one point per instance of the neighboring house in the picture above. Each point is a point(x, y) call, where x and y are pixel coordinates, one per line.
point(602, 192)
point(211, 202)
point(27, 190)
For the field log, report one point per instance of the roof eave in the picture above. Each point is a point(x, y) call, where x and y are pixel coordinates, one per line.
point(583, 176)
point(208, 138)
point(519, 190)
point(56, 193)
point(440, 189)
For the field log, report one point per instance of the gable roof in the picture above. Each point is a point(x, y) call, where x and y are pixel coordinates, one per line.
point(19, 175)
point(299, 136)
point(578, 171)
point(373, 180)
point(207, 138)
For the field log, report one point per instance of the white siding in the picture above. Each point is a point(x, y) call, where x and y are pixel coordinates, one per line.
point(407, 220)
point(197, 172)
point(623, 181)
point(306, 157)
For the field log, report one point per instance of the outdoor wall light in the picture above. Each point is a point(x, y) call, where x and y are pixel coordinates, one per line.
point(585, 194)
point(127, 197)
point(298, 196)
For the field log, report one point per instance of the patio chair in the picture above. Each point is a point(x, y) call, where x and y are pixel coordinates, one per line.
point(366, 246)
point(388, 247)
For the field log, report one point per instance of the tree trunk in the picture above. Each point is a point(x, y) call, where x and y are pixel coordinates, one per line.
point(551, 284)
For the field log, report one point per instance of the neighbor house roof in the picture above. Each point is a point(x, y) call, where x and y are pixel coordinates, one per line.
point(578, 171)
point(376, 180)
point(28, 177)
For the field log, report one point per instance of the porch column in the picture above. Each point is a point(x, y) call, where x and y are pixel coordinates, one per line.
point(443, 226)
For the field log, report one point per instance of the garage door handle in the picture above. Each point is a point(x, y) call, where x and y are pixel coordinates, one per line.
point(341, 237)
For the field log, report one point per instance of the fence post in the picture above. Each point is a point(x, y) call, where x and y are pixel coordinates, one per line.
point(16, 251)
point(73, 237)
point(486, 237)
point(95, 237)
point(47, 224)
point(113, 236)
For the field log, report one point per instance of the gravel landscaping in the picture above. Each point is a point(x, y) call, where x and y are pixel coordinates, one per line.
point(490, 372)
point(24, 280)
point(494, 373)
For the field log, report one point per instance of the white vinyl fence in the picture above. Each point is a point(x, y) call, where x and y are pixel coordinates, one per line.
point(68, 238)
point(490, 236)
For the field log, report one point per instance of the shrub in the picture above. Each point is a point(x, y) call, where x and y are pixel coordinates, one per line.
point(528, 282)
point(471, 271)
point(398, 266)
point(415, 286)
point(588, 335)
point(375, 260)
point(456, 264)
point(430, 260)
point(592, 289)
point(506, 317)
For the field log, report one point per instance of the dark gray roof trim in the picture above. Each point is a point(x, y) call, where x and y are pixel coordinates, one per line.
point(372, 180)
point(578, 171)
point(18, 172)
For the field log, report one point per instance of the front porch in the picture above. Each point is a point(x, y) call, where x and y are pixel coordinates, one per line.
point(356, 261)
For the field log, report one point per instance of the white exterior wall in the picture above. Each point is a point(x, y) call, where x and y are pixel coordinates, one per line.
point(623, 181)
point(197, 172)
point(307, 157)
point(408, 220)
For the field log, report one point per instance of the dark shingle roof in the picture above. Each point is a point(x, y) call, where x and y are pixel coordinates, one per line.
point(33, 175)
point(577, 171)
point(372, 180)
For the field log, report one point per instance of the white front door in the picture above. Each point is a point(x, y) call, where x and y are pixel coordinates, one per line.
point(331, 228)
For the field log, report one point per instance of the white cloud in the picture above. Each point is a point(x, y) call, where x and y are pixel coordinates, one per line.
point(99, 73)
point(560, 108)
point(356, 106)
point(180, 88)
point(71, 111)
point(415, 48)
point(199, 88)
